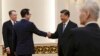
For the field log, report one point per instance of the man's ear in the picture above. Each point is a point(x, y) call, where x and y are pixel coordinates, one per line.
point(87, 14)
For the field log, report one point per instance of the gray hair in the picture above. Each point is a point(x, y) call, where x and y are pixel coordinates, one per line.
point(93, 8)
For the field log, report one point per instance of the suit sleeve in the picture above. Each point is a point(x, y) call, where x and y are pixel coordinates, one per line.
point(35, 30)
point(55, 35)
point(5, 34)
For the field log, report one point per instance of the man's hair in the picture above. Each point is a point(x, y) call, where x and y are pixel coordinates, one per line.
point(10, 12)
point(66, 12)
point(24, 12)
point(92, 7)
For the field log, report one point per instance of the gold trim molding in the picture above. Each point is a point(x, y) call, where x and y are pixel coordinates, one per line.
point(46, 49)
point(40, 49)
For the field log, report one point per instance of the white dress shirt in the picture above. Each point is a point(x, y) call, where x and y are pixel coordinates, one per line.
point(91, 22)
point(13, 22)
point(65, 24)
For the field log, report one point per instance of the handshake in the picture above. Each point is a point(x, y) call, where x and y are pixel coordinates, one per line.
point(49, 34)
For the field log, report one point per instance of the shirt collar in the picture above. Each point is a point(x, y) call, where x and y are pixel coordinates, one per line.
point(12, 22)
point(91, 22)
point(66, 23)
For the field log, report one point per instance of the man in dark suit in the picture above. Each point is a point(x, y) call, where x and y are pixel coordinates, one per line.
point(8, 33)
point(24, 30)
point(85, 41)
point(62, 31)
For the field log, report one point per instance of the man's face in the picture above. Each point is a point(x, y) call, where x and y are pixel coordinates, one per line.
point(13, 16)
point(83, 17)
point(64, 18)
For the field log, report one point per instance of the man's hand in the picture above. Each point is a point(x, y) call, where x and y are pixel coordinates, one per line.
point(8, 50)
point(48, 34)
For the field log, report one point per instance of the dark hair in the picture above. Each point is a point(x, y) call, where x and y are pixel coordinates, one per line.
point(10, 12)
point(24, 12)
point(66, 12)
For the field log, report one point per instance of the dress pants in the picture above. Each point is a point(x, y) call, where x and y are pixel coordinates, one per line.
point(60, 51)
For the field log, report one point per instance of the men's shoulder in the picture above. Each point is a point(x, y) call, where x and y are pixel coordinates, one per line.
point(31, 23)
point(78, 33)
point(73, 23)
point(7, 22)
point(79, 30)
point(60, 24)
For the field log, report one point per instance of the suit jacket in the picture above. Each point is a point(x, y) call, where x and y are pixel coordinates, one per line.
point(62, 36)
point(84, 41)
point(7, 32)
point(24, 37)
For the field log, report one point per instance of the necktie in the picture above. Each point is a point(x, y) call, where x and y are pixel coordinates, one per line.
point(64, 27)
point(14, 22)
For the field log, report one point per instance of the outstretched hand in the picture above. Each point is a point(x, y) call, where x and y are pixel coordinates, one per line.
point(48, 34)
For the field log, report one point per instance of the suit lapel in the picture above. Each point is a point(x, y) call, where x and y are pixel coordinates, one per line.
point(61, 29)
point(67, 27)
point(10, 23)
